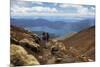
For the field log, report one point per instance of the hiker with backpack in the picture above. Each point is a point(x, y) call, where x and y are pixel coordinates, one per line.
point(45, 38)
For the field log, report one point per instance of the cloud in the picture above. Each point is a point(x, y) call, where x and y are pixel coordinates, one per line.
point(63, 5)
point(80, 9)
point(42, 9)
point(29, 11)
point(19, 8)
point(39, 3)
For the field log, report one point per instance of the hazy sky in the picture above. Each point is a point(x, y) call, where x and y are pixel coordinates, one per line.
point(44, 9)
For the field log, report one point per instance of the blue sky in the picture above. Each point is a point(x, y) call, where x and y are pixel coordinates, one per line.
point(31, 9)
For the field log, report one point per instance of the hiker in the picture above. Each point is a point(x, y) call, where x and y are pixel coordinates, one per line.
point(45, 38)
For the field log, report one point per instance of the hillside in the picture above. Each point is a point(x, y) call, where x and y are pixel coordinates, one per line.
point(27, 48)
point(83, 42)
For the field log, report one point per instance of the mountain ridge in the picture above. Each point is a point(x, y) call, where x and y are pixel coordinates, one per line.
point(63, 27)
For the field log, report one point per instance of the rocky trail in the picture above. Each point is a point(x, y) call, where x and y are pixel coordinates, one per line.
point(27, 49)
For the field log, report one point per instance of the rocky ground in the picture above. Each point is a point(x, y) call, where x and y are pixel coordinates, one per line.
point(27, 48)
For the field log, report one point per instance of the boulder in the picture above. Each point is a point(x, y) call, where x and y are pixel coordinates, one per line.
point(36, 38)
point(13, 40)
point(68, 59)
point(20, 57)
point(30, 44)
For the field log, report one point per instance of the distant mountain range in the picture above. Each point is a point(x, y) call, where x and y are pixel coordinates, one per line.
point(55, 27)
